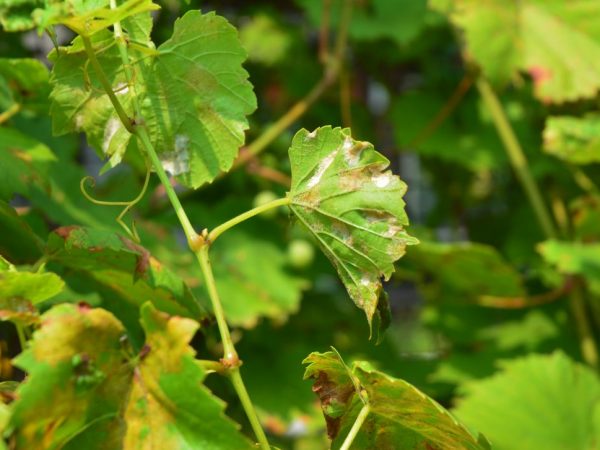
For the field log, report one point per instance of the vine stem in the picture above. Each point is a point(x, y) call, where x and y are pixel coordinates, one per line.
point(362, 415)
point(217, 231)
point(230, 361)
point(89, 49)
point(21, 335)
point(519, 163)
point(516, 156)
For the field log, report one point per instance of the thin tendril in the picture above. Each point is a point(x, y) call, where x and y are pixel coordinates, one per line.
point(132, 232)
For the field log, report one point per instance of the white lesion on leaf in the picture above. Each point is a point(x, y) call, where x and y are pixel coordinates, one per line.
point(382, 180)
point(321, 169)
point(111, 129)
point(352, 151)
point(177, 161)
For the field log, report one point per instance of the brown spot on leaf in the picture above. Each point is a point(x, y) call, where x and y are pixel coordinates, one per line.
point(65, 232)
point(330, 392)
point(143, 258)
point(84, 307)
point(145, 351)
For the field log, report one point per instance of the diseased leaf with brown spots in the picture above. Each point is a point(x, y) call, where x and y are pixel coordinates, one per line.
point(128, 274)
point(342, 193)
point(400, 416)
point(20, 291)
point(168, 407)
point(86, 391)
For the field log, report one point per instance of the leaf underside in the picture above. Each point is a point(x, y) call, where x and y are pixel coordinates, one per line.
point(353, 207)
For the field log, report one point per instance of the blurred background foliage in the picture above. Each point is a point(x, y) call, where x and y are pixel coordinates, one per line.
point(492, 316)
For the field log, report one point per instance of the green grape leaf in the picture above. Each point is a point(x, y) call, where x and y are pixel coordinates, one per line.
point(25, 84)
point(193, 92)
point(352, 206)
point(443, 266)
point(574, 258)
point(25, 161)
point(573, 139)
point(400, 416)
point(15, 15)
point(80, 104)
point(18, 242)
point(83, 391)
point(398, 20)
point(537, 37)
point(88, 17)
point(541, 401)
point(198, 97)
point(125, 269)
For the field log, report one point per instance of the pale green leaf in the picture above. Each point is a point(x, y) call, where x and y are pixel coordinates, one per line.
point(538, 402)
point(573, 139)
point(87, 17)
point(537, 37)
point(353, 207)
point(85, 390)
point(80, 104)
point(400, 416)
point(193, 91)
point(574, 258)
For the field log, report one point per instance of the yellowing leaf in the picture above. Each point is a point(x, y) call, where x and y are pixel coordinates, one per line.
point(573, 139)
point(342, 193)
point(400, 416)
point(554, 41)
point(86, 391)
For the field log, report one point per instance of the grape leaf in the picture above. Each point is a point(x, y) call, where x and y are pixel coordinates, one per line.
point(83, 392)
point(25, 161)
point(88, 17)
point(541, 401)
point(126, 269)
point(538, 37)
point(198, 97)
point(193, 91)
point(80, 104)
point(352, 206)
point(573, 139)
point(574, 258)
point(400, 416)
